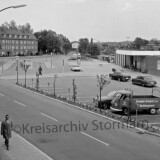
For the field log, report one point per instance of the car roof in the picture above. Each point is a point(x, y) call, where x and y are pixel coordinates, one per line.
point(124, 92)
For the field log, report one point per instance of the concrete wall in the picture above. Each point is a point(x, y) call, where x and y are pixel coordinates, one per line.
point(152, 65)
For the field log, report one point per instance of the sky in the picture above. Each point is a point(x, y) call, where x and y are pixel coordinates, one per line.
point(103, 20)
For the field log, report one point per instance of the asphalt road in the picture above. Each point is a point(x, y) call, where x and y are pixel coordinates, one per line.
point(82, 137)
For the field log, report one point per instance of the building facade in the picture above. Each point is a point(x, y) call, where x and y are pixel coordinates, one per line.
point(17, 43)
point(146, 61)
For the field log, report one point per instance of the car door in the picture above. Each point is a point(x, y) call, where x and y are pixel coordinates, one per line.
point(139, 80)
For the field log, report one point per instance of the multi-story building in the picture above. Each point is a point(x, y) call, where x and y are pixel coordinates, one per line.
point(17, 43)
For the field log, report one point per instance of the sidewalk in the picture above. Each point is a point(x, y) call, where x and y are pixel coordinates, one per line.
point(20, 149)
point(7, 65)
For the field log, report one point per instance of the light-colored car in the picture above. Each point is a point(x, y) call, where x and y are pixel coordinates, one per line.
point(75, 68)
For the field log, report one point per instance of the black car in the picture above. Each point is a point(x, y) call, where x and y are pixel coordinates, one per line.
point(120, 76)
point(144, 81)
point(105, 100)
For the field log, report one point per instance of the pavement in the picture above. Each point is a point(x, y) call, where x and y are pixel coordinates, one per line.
point(21, 149)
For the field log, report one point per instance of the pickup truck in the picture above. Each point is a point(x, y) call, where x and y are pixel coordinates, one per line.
point(150, 103)
point(105, 100)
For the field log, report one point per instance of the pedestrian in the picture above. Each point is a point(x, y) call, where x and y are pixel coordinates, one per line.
point(6, 128)
point(128, 103)
point(40, 70)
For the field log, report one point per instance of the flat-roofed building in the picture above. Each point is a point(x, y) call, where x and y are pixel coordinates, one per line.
point(17, 43)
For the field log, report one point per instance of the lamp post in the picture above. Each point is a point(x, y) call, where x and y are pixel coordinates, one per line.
point(25, 71)
point(17, 6)
point(51, 59)
point(2, 62)
point(17, 67)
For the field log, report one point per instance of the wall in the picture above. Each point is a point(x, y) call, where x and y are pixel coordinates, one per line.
point(152, 65)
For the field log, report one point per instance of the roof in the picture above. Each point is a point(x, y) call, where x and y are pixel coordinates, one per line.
point(124, 92)
point(138, 53)
point(17, 32)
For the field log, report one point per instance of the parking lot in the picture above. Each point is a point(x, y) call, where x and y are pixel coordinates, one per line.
point(86, 82)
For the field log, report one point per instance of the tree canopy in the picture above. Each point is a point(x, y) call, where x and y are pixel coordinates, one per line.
point(13, 26)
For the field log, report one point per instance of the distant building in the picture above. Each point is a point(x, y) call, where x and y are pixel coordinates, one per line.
point(146, 61)
point(17, 43)
point(75, 44)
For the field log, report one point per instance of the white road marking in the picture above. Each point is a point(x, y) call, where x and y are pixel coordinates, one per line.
point(154, 123)
point(49, 117)
point(20, 103)
point(95, 139)
point(1, 94)
point(128, 125)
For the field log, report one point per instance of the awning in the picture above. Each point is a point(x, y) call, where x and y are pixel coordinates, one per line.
point(138, 53)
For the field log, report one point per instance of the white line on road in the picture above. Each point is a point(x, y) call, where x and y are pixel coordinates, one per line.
point(49, 117)
point(1, 94)
point(95, 139)
point(140, 129)
point(154, 123)
point(20, 103)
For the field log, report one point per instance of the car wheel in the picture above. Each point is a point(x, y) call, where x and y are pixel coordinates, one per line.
point(125, 111)
point(133, 82)
point(143, 84)
point(105, 105)
point(119, 79)
point(153, 111)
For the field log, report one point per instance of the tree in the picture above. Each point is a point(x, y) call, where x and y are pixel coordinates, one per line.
point(53, 43)
point(54, 84)
point(37, 81)
point(93, 49)
point(42, 40)
point(24, 67)
point(102, 81)
point(140, 42)
point(66, 47)
point(74, 91)
point(83, 45)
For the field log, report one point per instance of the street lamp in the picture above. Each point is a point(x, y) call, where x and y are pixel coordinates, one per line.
point(51, 59)
point(17, 6)
point(25, 70)
point(2, 62)
point(17, 67)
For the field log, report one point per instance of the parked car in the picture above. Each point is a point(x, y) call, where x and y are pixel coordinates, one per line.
point(75, 68)
point(144, 81)
point(105, 100)
point(140, 102)
point(120, 76)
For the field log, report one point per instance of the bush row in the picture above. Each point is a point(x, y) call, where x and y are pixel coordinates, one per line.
point(92, 108)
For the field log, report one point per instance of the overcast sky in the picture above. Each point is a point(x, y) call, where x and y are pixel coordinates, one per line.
point(104, 20)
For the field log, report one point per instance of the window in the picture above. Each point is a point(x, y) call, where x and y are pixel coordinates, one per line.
point(3, 41)
point(13, 41)
point(10, 36)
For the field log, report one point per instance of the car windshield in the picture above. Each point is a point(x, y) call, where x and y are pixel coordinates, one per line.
point(111, 94)
point(117, 96)
point(148, 78)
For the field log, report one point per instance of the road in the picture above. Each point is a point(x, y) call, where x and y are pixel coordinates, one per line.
point(82, 137)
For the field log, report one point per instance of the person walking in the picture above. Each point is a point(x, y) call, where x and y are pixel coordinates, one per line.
point(6, 128)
